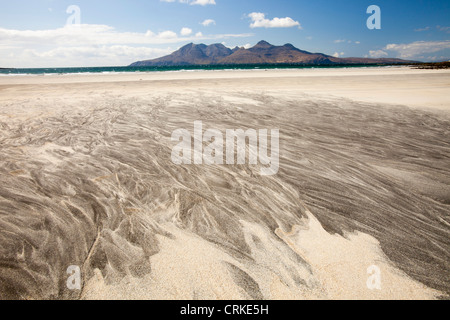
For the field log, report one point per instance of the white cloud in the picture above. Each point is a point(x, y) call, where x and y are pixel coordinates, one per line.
point(193, 2)
point(202, 2)
point(377, 54)
point(338, 54)
point(208, 22)
point(82, 56)
point(422, 29)
point(345, 40)
point(186, 32)
point(167, 35)
point(259, 21)
point(415, 49)
point(95, 35)
point(77, 45)
point(436, 58)
point(443, 29)
point(85, 34)
point(245, 46)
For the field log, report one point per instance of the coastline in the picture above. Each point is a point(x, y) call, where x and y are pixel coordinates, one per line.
point(403, 85)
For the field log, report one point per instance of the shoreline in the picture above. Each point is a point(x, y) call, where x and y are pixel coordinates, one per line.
point(193, 68)
point(416, 88)
point(307, 71)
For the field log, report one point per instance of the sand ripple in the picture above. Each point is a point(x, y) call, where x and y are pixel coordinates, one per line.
point(91, 183)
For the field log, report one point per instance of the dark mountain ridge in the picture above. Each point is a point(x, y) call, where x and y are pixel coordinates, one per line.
point(262, 53)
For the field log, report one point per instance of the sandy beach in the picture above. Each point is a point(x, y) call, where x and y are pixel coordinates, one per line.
point(87, 179)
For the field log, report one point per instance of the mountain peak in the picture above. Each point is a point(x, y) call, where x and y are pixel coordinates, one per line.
point(221, 45)
point(263, 44)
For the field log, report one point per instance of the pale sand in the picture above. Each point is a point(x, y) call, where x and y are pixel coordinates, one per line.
point(86, 179)
point(393, 85)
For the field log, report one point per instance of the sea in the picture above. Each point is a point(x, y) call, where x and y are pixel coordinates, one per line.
point(95, 70)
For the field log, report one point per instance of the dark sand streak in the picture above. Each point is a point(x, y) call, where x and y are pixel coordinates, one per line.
point(90, 183)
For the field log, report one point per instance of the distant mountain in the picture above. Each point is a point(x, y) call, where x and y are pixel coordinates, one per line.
point(191, 54)
point(262, 53)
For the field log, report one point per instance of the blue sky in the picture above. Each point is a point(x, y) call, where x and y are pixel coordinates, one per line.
point(34, 33)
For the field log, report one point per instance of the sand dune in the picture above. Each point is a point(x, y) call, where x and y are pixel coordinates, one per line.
point(86, 179)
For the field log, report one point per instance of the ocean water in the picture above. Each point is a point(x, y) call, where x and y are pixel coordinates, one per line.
point(40, 71)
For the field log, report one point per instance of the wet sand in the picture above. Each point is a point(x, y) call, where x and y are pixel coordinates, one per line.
point(86, 179)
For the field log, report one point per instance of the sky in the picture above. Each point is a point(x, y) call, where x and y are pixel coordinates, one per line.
point(82, 33)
